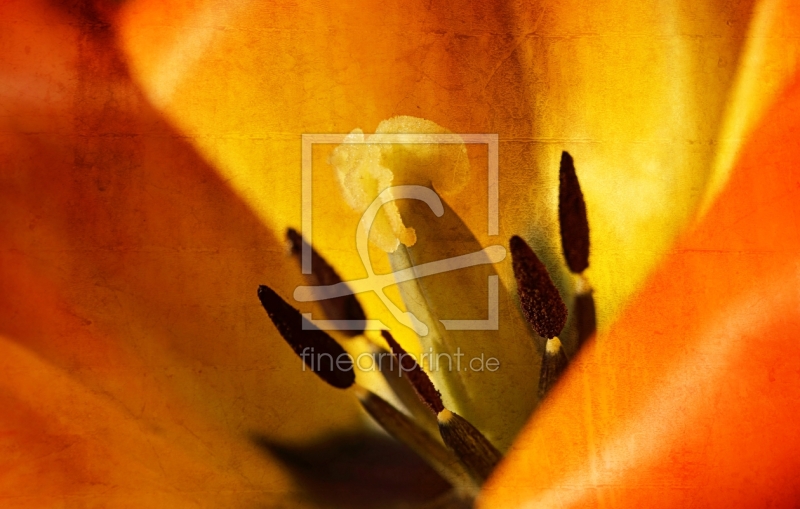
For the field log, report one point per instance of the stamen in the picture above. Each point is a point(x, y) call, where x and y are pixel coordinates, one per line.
point(541, 303)
point(476, 453)
point(472, 448)
point(405, 430)
point(402, 388)
point(318, 350)
point(554, 363)
point(418, 378)
point(572, 217)
point(575, 243)
point(322, 274)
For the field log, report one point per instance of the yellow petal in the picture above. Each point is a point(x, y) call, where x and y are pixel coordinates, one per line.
point(636, 94)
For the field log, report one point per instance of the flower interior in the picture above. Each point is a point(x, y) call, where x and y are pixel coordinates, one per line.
point(432, 411)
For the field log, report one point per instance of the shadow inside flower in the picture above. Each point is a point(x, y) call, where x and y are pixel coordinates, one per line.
point(360, 470)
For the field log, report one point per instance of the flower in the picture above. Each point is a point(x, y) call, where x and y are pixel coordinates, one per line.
point(138, 368)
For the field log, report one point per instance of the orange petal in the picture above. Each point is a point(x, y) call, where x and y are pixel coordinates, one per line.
point(62, 442)
point(129, 274)
point(691, 398)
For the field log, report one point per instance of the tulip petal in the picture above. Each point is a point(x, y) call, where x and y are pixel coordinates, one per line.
point(129, 274)
point(766, 66)
point(635, 94)
point(66, 443)
point(619, 88)
point(691, 398)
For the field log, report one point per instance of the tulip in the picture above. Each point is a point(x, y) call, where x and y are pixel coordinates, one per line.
point(151, 153)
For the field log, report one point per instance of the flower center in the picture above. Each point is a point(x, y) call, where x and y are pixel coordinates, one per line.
point(367, 167)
